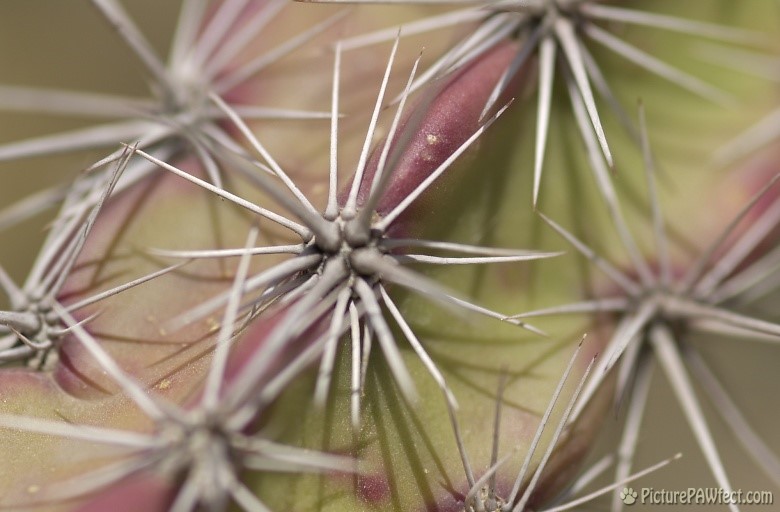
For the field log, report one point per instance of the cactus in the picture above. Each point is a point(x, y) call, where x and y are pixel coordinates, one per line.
point(312, 266)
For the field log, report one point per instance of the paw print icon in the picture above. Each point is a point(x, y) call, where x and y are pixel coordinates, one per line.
point(628, 495)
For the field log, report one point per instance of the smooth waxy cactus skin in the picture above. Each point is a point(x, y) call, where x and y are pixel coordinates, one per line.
point(409, 460)
point(450, 118)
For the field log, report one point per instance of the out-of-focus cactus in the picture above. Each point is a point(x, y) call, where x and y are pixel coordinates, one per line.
point(317, 268)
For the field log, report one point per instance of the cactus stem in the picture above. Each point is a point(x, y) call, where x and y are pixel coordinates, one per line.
point(199, 442)
point(481, 496)
point(663, 306)
point(178, 115)
point(36, 325)
point(347, 251)
point(546, 25)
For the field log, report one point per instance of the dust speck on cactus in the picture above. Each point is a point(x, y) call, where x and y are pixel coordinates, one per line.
point(347, 256)
point(545, 27)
